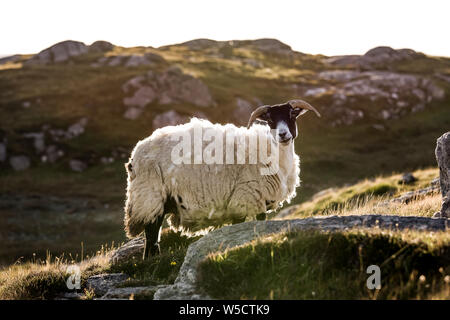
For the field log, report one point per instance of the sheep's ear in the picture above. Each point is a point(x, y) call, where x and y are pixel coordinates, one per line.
point(303, 106)
point(259, 113)
point(297, 112)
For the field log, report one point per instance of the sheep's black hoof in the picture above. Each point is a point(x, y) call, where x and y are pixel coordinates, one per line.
point(261, 217)
point(151, 250)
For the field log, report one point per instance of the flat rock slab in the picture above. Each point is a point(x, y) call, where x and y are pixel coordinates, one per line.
point(239, 234)
point(130, 292)
point(102, 283)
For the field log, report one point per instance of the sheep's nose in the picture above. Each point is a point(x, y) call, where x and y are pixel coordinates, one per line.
point(282, 135)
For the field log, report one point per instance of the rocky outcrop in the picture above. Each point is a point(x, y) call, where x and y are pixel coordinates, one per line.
point(134, 60)
point(101, 46)
point(169, 87)
point(59, 52)
point(379, 57)
point(101, 283)
point(239, 234)
point(10, 59)
point(443, 160)
point(379, 95)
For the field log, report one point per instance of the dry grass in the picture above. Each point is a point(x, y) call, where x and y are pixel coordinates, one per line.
point(44, 279)
point(373, 197)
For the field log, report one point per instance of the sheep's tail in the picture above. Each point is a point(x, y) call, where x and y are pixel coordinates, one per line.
point(133, 227)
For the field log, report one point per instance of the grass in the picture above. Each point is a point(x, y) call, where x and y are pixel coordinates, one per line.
point(366, 194)
point(160, 269)
point(46, 279)
point(317, 265)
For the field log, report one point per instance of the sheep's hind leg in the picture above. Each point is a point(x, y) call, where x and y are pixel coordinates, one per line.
point(237, 220)
point(152, 230)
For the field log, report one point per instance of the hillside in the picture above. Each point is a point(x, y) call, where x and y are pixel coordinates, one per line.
point(72, 113)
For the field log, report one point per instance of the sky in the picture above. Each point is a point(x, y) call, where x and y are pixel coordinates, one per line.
point(327, 27)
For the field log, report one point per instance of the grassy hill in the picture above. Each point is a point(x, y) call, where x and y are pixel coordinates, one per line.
point(35, 96)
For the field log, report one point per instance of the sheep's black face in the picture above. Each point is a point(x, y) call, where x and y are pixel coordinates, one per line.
point(283, 119)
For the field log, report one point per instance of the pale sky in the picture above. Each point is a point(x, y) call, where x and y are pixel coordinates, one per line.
point(314, 26)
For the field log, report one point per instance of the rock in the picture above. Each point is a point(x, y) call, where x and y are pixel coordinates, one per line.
point(142, 97)
point(134, 60)
point(38, 140)
point(131, 293)
point(19, 163)
point(407, 178)
point(315, 92)
point(77, 165)
point(101, 46)
point(131, 250)
point(101, 283)
point(287, 211)
point(13, 58)
point(242, 111)
point(59, 52)
point(135, 82)
point(239, 234)
point(379, 95)
point(169, 87)
point(443, 160)
point(132, 113)
point(70, 296)
point(3, 153)
point(77, 128)
point(412, 195)
point(272, 46)
point(52, 154)
point(379, 57)
point(26, 104)
point(200, 44)
point(115, 61)
point(169, 118)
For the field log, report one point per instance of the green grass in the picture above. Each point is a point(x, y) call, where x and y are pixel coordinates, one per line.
point(317, 265)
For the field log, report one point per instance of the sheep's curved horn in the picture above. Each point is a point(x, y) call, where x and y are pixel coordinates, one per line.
point(300, 104)
point(255, 114)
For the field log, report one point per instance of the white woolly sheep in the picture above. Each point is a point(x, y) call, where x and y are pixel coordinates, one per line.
point(201, 194)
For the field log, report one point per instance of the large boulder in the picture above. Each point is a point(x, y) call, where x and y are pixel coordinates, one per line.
point(169, 118)
point(19, 163)
point(59, 52)
point(169, 87)
point(443, 160)
point(379, 57)
point(185, 286)
point(101, 46)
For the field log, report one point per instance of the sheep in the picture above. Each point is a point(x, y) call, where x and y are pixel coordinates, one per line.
point(203, 194)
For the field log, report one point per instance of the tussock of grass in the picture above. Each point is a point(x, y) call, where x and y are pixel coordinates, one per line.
point(45, 279)
point(316, 265)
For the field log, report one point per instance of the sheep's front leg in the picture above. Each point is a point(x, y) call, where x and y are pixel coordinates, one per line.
point(261, 216)
point(152, 231)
